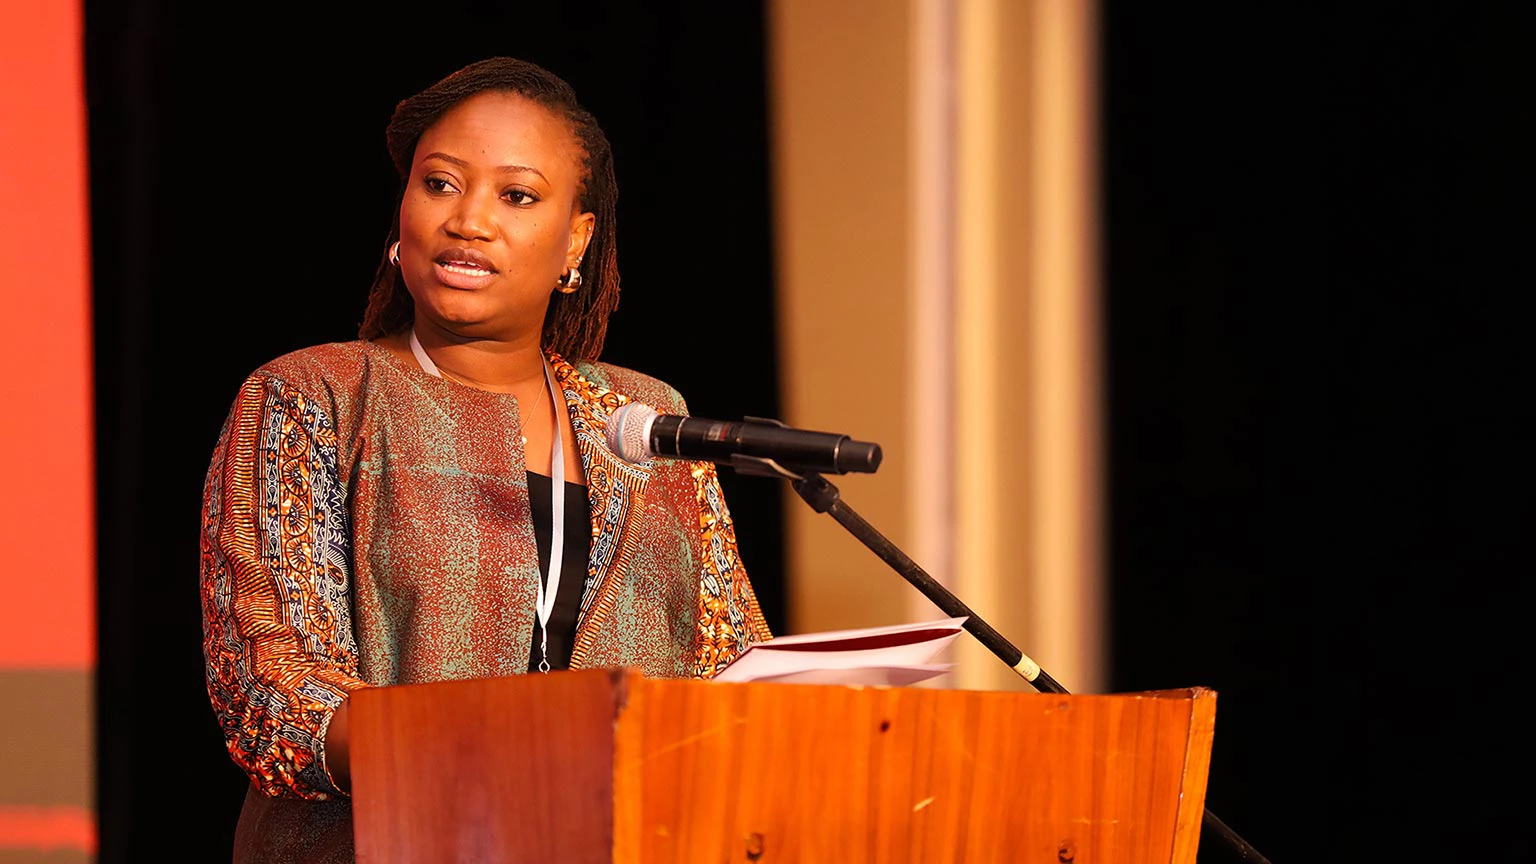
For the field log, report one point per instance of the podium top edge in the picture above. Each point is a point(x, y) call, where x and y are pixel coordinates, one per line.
point(625, 678)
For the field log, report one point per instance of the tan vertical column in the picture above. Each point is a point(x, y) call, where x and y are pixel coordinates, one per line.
point(1026, 335)
point(934, 191)
point(841, 137)
point(1067, 604)
point(932, 249)
point(990, 573)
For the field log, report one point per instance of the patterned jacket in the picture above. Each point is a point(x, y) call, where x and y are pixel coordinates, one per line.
point(367, 524)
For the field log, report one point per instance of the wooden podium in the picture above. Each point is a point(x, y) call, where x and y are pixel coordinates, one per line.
point(607, 765)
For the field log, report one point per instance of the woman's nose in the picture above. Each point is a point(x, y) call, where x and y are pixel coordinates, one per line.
point(473, 218)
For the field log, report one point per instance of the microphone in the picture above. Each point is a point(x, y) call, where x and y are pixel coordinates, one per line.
point(637, 432)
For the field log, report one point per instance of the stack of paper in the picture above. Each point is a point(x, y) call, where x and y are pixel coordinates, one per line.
point(894, 656)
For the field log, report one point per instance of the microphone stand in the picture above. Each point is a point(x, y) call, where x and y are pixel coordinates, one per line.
point(823, 497)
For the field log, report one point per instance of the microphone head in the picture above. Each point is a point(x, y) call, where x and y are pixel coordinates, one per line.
point(629, 431)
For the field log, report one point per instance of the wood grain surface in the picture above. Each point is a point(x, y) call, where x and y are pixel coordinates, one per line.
point(605, 765)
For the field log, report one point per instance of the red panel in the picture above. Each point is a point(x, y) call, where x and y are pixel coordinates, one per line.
point(47, 828)
point(47, 521)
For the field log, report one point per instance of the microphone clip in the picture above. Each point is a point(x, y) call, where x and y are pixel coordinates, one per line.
point(758, 466)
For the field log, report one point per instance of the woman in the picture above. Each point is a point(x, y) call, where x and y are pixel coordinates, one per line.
point(434, 500)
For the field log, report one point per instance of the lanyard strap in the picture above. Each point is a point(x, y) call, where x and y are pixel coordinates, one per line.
point(557, 524)
point(546, 601)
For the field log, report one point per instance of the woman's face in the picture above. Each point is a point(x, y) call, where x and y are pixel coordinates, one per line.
point(490, 218)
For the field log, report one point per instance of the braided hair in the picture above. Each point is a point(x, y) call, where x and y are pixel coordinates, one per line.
point(576, 323)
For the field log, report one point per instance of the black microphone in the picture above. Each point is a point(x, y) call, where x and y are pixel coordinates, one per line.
point(637, 432)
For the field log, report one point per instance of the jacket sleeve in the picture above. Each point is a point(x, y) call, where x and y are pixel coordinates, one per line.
point(729, 618)
point(276, 585)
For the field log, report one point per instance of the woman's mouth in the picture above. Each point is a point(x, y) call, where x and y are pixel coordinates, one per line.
point(464, 268)
point(466, 276)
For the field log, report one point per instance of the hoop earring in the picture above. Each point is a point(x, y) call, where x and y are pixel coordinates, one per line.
point(394, 254)
point(571, 280)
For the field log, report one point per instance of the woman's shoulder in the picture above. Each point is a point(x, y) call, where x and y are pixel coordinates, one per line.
point(337, 373)
point(633, 385)
point(327, 360)
point(335, 360)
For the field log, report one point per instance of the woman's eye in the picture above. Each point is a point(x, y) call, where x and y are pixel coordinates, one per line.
point(437, 184)
point(520, 196)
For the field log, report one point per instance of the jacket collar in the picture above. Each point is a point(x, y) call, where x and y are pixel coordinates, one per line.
point(615, 493)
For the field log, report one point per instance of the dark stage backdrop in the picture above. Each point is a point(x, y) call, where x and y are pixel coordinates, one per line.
point(1313, 283)
point(1310, 398)
point(241, 192)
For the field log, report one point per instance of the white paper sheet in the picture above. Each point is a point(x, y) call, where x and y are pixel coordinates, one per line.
point(856, 657)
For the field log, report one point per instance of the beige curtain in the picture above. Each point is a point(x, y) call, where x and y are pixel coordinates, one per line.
point(934, 192)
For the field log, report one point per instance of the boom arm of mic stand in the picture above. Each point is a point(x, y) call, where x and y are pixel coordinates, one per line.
point(824, 497)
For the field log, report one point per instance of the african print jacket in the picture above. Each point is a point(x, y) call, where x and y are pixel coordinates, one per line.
point(365, 523)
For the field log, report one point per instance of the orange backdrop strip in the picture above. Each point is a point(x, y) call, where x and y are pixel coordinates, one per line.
point(47, 520)
point(46, 829)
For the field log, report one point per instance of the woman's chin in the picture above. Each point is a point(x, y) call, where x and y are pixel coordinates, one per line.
point(477, 315)
point(459, 315)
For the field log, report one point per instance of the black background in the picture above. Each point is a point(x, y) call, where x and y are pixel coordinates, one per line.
point(241, 194)
point(1315, 420)
point(1310, 336)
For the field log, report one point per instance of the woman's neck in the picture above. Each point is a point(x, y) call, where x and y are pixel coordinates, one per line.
point(512, 366)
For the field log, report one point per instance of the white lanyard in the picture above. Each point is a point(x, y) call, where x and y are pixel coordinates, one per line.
point(546, 602)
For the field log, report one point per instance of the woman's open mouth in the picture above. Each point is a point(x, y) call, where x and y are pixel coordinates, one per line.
point(464, 268)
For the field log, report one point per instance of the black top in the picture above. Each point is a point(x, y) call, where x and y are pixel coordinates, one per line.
point(573, 567)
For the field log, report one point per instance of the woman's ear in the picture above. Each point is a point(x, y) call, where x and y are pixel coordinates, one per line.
point(582, 226)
